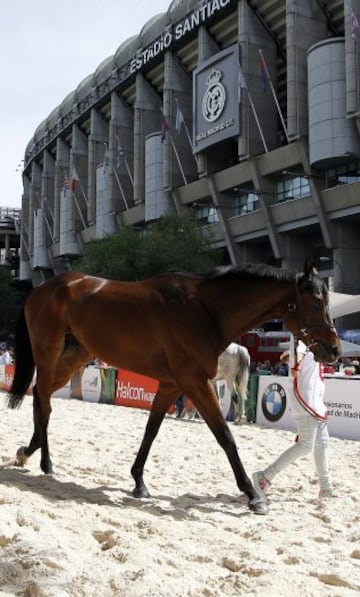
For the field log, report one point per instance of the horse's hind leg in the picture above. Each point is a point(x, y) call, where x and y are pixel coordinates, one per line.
point(164, 397)
point(25, 452)
point(71, 359)
point(41, 414)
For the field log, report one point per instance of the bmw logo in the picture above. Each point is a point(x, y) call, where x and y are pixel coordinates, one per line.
point(273, 402)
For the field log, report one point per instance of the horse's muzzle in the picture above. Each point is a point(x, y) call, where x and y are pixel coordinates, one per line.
point(325, 354)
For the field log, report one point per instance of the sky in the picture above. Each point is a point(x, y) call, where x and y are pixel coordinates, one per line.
point(46, 49)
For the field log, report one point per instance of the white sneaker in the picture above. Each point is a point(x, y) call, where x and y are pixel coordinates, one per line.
point(261, 483)
point(326, 494)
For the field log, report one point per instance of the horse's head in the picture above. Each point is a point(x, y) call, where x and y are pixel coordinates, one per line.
point(309, 319)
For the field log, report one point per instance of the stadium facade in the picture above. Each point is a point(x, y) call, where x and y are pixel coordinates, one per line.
point(243, 113)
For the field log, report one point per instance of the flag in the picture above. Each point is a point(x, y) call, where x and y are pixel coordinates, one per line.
point(241, 83)
point(66, 183)
point(262, 71)
point(106, 163)
point(119, 155)
point(179, 120)
point(164, 128)
point(74, 179)
point(354, 23)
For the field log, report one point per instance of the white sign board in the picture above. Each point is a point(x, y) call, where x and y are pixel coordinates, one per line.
point(342, 397)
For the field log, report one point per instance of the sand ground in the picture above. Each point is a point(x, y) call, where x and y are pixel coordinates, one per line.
point(80, 532)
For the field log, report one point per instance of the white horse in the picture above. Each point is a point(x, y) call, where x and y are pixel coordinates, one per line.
point(234, 368)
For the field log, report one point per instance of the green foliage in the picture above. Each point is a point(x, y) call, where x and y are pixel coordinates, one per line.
point(172, 243)
point(9, 303)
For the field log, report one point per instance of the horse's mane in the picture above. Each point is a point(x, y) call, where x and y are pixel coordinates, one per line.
point(260, 271)
point(239, 271)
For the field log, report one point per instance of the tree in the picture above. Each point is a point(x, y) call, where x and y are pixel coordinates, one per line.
point(172, 243)
point(9, 303)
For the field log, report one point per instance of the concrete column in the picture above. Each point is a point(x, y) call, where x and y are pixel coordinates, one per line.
point(25, 265)
point(147, 119)
point(305, 25)
point(121, 155)
point(263, 115)
point(35, 194)
point(47, 194)
point(352, 63)
point(264, 190)
point(229, 240)
point(179, 167)
point(61, 171)
point(79, 156)
point(97, 148)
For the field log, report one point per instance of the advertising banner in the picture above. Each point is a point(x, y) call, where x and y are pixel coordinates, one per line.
point(135, 390)
point(94, 384)
point(341, 398)
point(6, 377)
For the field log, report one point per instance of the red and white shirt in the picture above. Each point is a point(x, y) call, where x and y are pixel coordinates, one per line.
point(309, 388)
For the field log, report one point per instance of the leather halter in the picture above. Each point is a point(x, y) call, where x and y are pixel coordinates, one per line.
point(305, 332)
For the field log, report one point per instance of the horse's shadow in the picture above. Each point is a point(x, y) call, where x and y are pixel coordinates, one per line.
point(183, 507)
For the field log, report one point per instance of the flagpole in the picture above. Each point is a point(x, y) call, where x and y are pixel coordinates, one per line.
point(187, 132)
point(106, 159)
point(75, 178)
point(126, 163)
point(274, 94)
point(242, 83)
point(78, 208)
point(165, 127)
point(178, 159)
point(83, 193)
point(49, 228)
point(25, 244)
point(120, 187)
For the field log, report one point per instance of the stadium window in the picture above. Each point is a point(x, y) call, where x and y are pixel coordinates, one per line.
point(243, 202)
point(292, 188)
point(205, 215)
point(344, 174)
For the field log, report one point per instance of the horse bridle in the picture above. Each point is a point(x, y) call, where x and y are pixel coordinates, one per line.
point(305, 332)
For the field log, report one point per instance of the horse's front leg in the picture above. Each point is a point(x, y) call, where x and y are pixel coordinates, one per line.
point(164, 397)
point(205, 400)
point(41, 413)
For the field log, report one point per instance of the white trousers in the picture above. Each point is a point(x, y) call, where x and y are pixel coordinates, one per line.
point(313, 436)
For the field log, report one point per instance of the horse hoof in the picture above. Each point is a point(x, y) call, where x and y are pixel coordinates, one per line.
point(258, 506)
point(141, 492)
point(21, 457)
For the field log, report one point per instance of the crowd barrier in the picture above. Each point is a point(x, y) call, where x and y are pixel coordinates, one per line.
point(268, 400)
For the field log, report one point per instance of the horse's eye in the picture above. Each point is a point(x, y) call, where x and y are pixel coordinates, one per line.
point(318, 303)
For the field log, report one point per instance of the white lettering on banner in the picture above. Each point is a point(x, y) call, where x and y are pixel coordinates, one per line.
point(197, 18)
point(215, 129)
point(129, 392)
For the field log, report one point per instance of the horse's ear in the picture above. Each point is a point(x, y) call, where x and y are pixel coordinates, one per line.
point(309, 268)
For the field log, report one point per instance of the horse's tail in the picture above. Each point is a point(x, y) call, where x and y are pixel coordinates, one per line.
point(24, 363)
point(242, 377)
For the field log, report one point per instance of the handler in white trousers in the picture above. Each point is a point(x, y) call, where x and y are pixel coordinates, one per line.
point(311, 421)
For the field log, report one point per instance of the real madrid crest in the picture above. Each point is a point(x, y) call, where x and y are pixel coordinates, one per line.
point(214, 98)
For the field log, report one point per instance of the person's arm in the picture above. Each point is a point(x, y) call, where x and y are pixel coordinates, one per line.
point(295, 370)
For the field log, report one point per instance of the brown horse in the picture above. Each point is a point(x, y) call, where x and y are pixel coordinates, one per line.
point(173, 328)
